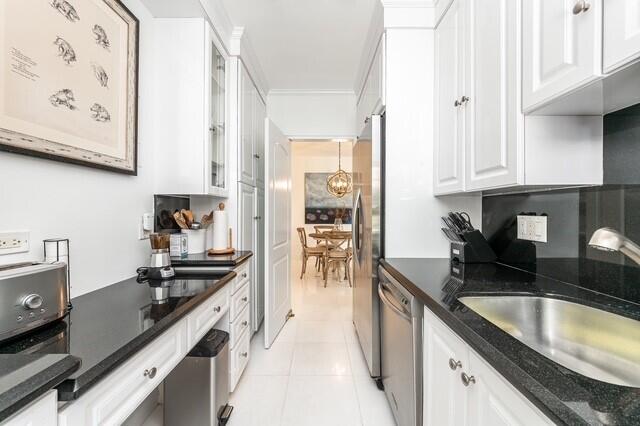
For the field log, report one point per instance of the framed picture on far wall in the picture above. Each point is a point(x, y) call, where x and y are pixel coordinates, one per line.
point(68, 82)
point(321, 207)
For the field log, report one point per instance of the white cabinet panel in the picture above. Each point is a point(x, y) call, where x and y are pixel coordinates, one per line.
point(562, 48)
point(257, 296)
point(246, 221)
point(260, 115)
point(372, 96)
point(246, 145)
point(494, 402)
point(492, 117)
point(239, 357)
point(449, 132)
point(621, 33)
point(445, 356)
point(41, 412)
point(203, 318)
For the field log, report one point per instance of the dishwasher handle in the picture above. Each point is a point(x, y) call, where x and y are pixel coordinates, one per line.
point(382, 292)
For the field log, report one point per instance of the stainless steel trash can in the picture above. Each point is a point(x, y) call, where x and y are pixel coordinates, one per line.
point(196, 393)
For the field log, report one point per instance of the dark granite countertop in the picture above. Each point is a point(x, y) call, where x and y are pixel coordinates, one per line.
point(24, 378)
point(566, 397)
point(107, 326)
point(203, 259)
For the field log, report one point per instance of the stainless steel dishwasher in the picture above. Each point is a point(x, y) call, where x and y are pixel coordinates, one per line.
point(401, 347)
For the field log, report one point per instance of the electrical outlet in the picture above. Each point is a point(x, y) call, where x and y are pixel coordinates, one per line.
point(14, 242)
point(532, 228)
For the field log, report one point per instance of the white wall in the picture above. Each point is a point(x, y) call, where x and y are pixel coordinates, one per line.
point(98, 211)
point(311, 157)
point(313, 114)
point(412, 222)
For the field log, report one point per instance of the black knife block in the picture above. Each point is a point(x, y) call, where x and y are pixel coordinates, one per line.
point(475, 249)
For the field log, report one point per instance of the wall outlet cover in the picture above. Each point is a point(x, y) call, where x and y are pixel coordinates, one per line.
point(532, 228)
point(14, 242)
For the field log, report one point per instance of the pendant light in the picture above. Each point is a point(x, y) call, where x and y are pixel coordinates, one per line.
point(339, 184)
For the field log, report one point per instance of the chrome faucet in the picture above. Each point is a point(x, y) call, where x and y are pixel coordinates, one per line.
point(608, 239)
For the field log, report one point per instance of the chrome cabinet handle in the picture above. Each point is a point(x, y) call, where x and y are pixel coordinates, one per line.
point(256, 156)
point(464, 100)
point(581, 6)
point(245, 323)
point(217, 309)
point(151, 373)
point(244, 354)
point(244, 299)
point(467, 380)
point(244, 275)
point(454, 365)
point(457, 103)
point(366, 120)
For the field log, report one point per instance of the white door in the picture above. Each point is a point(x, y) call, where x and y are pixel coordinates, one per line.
point(247, 224)
point(621, 33)
point(445, 357)
point(562, 47)
point(492, 118)
point(278, 231)
point(494, 402)
point(246, 148)
point(449, 148)
point(259, 260)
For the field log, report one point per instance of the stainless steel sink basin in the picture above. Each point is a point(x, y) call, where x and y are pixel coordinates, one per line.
point(589, 341)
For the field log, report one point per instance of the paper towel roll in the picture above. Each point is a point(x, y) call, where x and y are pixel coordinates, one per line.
point(220, 229)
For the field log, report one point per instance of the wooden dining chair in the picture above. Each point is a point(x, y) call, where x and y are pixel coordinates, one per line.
point(307, 252)
point(340, 256)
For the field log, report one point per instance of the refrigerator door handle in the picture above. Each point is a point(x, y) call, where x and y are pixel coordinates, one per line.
point(357, 226)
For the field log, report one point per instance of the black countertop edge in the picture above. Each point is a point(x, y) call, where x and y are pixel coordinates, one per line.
point(19, 396)
point(203, 259)
point(536, 392)
point(72, 389)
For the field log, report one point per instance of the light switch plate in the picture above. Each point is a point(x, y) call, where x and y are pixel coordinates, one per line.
point(532, 228)
point(14, 242)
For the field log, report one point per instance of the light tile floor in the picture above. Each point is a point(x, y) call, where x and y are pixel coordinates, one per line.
point(315, 373)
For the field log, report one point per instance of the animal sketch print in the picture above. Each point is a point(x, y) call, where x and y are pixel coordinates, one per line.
point(101, 37)
point(65, 51)
point(101, 75)
point(63, 98)
point(66, 9)
point(100, 113)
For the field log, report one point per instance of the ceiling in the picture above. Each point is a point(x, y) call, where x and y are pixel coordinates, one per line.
point(305, 44)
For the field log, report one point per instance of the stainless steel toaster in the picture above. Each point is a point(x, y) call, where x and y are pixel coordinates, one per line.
point(32, 295)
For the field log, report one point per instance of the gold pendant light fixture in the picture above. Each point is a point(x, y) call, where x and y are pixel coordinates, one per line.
point(339, 184)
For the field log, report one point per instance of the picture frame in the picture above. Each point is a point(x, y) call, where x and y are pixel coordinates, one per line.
point(320, 206)
point(69, 90)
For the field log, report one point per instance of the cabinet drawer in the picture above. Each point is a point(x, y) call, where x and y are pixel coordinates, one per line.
point(112, 400)
point(41, 412)
point(239, 360)
point(243, 273)
point(238, 301)
point(206, 315)
point(238, 326)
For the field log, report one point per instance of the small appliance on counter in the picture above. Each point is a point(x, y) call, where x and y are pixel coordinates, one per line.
point(34, 294)
point(159, 268)
point(468, 245)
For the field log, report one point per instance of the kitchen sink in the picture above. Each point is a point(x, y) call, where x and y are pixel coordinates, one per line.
point(595, 343)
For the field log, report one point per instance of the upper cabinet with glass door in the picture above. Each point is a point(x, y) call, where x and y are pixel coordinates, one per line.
point(192, 119)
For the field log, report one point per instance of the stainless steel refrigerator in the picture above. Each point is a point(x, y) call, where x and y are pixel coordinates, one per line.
point(368, 237)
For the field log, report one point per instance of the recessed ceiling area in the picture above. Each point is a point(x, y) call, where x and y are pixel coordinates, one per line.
point(305, 44)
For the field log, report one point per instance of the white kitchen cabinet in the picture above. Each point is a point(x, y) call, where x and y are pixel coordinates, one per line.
point(562, 48)
point(258, 287)
point(246, 214)
point(246, 144)
point(482, 140)
point(372, 96)
point(485, 399)
point(493, 123)
point(449, 90)
point(191, 120)
point(41, 412)
point(260, 114)
point(621, 33)
point(240, 321)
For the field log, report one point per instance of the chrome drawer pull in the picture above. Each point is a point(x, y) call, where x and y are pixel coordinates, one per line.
point(245, 323)
point(454, 365)
point(150, 373)
point(244, 299)
point(217, 309)
point(581, 6)
point(467, 380)
point(244, 275)
point(244, 354)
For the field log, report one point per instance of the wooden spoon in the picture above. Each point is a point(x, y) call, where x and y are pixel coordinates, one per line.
point(188, 217)
point(207, 220)
point(177, 216)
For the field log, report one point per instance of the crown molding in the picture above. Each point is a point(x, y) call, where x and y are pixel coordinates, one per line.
point(307, 92)
point(410, 13)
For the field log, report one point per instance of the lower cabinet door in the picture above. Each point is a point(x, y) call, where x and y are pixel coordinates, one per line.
point(494, 402)
point(239, 326)
point(202, 319)
point(239, 360)
point(41, 412)
point(112, 400)
point(445, 356)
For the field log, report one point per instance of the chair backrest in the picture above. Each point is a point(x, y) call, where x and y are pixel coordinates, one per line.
point(321, 228)
point(302, 234)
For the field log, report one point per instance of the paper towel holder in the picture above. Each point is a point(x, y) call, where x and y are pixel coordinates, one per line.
point(227, 251)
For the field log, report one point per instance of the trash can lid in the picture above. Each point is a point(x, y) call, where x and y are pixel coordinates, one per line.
point(211, 344)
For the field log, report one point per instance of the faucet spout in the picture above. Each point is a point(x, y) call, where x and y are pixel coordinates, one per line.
point(608, 239)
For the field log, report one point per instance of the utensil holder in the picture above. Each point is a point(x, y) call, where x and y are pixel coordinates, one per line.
point(196, 240)
point(475, 249)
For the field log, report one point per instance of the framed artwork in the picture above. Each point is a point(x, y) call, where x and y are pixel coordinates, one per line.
point(69, 81)
point(320, 206)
